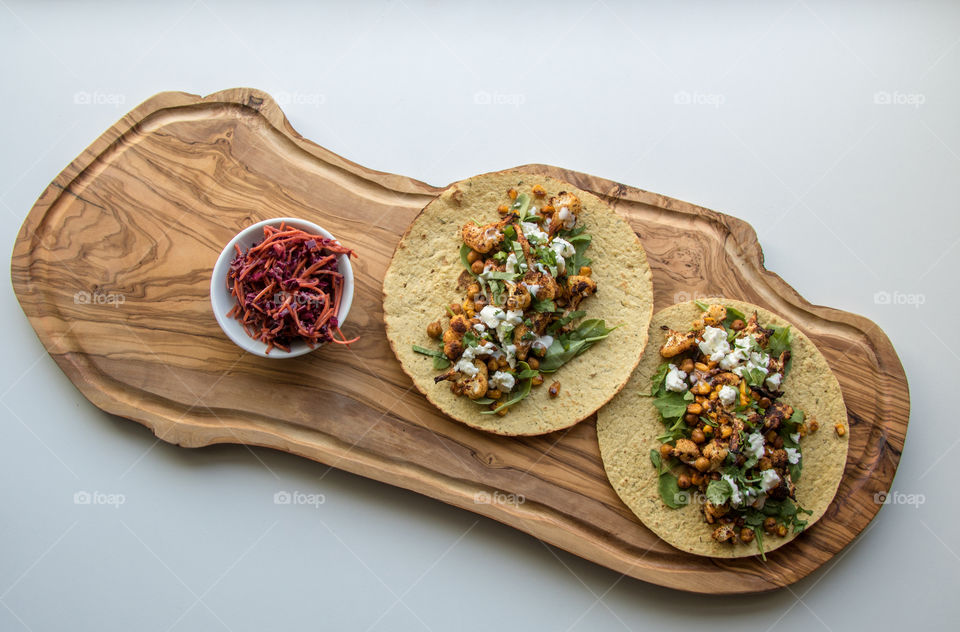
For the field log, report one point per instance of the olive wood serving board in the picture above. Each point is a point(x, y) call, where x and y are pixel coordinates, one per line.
point(112, 267)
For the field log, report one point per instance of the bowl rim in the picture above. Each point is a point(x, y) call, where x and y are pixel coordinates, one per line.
point(221, 298)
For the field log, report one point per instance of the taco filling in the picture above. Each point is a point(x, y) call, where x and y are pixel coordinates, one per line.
point(528, 283)
point(729, 436)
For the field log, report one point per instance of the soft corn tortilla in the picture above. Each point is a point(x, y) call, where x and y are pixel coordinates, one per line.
point(422, 279)
point(628, 426)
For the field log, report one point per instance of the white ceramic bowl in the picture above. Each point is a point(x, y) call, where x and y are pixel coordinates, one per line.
point(222, 301)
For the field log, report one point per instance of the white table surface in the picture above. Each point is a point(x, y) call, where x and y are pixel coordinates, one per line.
point(832, 128)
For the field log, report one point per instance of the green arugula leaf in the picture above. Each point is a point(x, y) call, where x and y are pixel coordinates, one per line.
point(572, 344)
point(496, 275)
point(733, 314)
point(670, 491)
point(719, 492)
point(428, 352)
point(779, 341)
point(464, 252)
point(657, 460)
point(659, 378)
point(579, 259)
point(520, 206)
point(470, 338)
point(671, 405)
point(440, 360)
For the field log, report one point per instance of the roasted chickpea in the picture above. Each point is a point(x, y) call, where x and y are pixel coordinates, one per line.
point(683, 481)
point(687, 365)
point(494, 393)
point(702, 464)
point(666, 450)
point(503, 209)
point(694, 408)
point(539, 191)
point(586, 271)
point(746, 535)
point(473, 255)
point(435, 329)
point(840, 429)
point(537, 380)
point(512, 194)
point(764, 464)
point(770, 525)
point(737, 325)
point(697, 478)
point(554, 389)
point(502, 363)
point(697, 436)
point(492, 365)
point(534, 363)
point(781, 530)
point(472, 290)
point(477, 266)
point(456, 308)
point(764, 403)
point(778, 442)
point(691, 419)
point(725, 432)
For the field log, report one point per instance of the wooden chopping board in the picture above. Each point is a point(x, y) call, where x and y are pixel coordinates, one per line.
point(112, 267)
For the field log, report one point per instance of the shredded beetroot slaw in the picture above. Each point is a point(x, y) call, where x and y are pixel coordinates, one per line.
point(288, 288)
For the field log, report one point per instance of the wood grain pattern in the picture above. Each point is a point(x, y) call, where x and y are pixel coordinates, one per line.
point(144, 211)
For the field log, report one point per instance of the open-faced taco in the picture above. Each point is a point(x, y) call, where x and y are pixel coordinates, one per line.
point(517, 303)
point(731, 436)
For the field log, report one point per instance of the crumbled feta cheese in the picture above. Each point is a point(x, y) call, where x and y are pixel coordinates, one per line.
point(514, 317)
point(793, 455)
point(568, 218)
point(714, 343)
point(736, 498)
point(562, 247)
point(503, 381)
point(533, 232)
point(491, 316)
point(480, 327)
point(511, 352)
point(542, 342)
point(510, 265)
point(466, 367)
point(756, 362)
point(773, 381)
point(533, 288)
point(754, 446)
point(675, 380)
point(795, 437)
point(769, 479)
point(483, 348)
point(728, 395)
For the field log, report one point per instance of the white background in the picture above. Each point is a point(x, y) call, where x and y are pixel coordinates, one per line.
point(831, 127)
